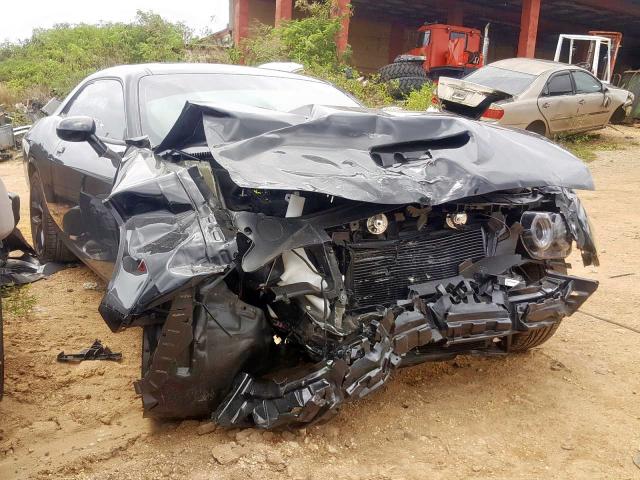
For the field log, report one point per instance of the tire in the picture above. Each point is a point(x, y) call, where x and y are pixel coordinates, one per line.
point(537, 127)
point(400, 88)
point(45, 234)
point(522, 342)
point(398, 70)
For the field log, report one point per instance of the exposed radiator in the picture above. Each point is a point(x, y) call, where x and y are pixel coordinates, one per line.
point(379, 273)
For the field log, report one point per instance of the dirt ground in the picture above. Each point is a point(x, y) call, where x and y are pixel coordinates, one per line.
point(568, 409)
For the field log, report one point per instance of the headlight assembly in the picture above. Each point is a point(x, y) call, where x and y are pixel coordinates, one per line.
point(545, 235)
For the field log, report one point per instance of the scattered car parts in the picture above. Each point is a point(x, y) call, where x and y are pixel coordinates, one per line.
point(96, 351)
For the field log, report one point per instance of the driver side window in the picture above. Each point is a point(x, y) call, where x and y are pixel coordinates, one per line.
point(559, 85)
point(104, 101)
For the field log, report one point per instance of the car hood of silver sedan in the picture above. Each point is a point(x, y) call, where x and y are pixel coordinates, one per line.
point(371, 155)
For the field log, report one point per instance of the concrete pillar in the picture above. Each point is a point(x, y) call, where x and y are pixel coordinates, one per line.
point(455, 13)
point(529, 28)
point(284, 10)
point(240, 20)
point(343, 10)
point(396, 41)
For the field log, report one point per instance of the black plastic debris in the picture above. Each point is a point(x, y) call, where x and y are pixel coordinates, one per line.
point(97, 351)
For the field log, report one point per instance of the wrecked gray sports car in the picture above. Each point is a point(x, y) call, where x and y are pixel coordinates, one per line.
point(285, 249)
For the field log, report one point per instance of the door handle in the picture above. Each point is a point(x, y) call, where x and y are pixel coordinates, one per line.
point(581, 102)
point(546, 105)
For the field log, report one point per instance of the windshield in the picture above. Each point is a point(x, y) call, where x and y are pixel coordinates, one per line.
point(508, 81)
point(162, 97)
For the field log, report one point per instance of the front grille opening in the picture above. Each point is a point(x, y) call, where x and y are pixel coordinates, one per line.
point(379, 274)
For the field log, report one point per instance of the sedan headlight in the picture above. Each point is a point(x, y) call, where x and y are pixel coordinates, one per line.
point(545, 235)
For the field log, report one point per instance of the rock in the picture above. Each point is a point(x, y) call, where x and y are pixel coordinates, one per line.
point(567, 446)
point(243, 435)
point(636, 459)
point(288, 436)
point(226, 454)
point(332, 432)
point(187, 424)
point(331, 449)
point(409, 435)
point(275, 460)
point(90, 286)
point(303, 432)
point(476, 468)
point(206, 427)
point(556, 365)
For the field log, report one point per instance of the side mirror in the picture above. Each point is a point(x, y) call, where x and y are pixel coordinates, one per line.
point(81, 129)
point(605, 89)
point(76, 129)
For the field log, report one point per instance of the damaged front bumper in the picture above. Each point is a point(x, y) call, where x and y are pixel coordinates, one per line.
point(457, 319)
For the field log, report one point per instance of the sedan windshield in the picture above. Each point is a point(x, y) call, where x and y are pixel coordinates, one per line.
point(162, 97)
point(507, 81)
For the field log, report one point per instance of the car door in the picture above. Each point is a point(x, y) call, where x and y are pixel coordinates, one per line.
point(593, 102)
point(82, 180)
point(558, 103)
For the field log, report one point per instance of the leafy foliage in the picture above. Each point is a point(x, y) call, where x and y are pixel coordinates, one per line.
point(420, 100)
point(58, 58)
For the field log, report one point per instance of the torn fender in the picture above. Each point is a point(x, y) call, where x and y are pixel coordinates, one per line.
point(170, 236)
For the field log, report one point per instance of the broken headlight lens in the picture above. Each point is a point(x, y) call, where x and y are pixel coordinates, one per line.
point(545, 235)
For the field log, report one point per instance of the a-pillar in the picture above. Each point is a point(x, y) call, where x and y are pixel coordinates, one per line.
point(343, 10)
point(240, 20)
point(455, 14)
point(529, 28)
point(284, 10)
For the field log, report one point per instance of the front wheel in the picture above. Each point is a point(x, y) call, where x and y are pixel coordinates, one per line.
point(521, 342)
point(44, 232)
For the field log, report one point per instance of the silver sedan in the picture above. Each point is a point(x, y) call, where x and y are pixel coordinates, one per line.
point(541, 96)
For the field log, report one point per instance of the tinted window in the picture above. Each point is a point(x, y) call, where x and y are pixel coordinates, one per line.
point(424, 38)
point(586, 83)
point(508, 81)
point(560, 85)
point(162, 97)
point(104, 101)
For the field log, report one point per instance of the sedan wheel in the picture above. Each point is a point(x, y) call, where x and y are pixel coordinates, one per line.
point(44, 232)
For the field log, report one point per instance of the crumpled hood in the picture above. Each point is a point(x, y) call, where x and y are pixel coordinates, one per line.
point(374, 156)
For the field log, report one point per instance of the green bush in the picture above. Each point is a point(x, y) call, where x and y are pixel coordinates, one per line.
point(57, 59)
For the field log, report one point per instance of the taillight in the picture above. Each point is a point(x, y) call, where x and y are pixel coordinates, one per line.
point(494, 112)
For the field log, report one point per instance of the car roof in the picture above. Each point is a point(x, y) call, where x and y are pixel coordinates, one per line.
point(128, 72)
point(532, 66)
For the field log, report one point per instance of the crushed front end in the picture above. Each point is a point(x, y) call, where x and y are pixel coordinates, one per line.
point(272, 306)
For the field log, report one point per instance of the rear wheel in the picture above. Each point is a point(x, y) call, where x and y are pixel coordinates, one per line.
point(537, 127)
point(44, 232)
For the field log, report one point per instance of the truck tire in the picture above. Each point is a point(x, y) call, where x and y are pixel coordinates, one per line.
point(522, 342)
point(400, 88)
point(45, 234)
point(399, 70)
